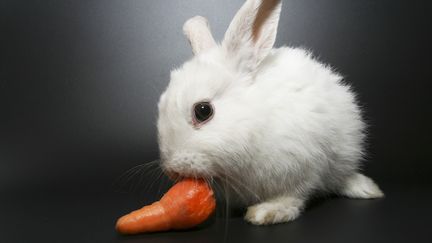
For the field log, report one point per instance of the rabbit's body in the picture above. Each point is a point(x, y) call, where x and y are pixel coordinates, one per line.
point(277, 125)
point(307, 130)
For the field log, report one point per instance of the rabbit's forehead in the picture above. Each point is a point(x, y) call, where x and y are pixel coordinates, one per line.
point(200, 80)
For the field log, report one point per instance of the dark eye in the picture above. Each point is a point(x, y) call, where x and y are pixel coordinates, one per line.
point(203, 112)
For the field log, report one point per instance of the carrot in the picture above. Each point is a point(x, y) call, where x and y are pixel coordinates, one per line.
point(187, 204)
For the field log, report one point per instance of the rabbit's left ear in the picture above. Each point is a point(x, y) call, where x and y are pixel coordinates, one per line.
point(197, 31)
point(252, 33)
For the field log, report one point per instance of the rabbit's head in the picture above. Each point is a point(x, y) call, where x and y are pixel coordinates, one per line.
point(205, 124)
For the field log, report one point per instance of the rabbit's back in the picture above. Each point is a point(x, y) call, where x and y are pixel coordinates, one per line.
point(312, 126)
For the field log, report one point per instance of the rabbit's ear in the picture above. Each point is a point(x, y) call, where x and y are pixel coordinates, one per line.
point(252, 32)
point(198, 33)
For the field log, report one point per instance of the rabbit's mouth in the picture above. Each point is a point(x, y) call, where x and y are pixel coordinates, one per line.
point(187, 164)
point(178, 175)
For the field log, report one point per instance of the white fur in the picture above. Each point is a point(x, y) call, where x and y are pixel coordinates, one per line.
point(197, 31)
point(285, 125)
point(360, 186)
point(282, 209)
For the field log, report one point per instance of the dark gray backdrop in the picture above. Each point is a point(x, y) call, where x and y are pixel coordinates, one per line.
point(80, 80)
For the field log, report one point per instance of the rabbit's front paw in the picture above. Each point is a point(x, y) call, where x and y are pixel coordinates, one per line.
point(279, 210)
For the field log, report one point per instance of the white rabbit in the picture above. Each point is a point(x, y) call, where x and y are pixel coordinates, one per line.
point(275, 123)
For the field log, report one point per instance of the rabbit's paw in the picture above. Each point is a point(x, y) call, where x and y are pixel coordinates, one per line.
point(280, 210)
point(361, 186)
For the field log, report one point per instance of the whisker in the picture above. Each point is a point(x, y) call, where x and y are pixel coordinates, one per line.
point(164, 182)
point(142, 174)
point(150, 171)
point(126, 177)
point(227, 201)
point(235, 182)
point(149, 186)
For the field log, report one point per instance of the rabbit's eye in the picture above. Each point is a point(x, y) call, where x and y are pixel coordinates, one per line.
point(203, 112)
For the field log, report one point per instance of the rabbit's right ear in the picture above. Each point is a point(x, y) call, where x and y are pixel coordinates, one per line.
point(252, 33)
point(197, 31)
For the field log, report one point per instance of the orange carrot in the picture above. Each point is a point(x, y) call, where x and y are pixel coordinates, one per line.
point(187, 204)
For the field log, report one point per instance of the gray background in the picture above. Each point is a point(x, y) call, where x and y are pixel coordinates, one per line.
point(80, 80)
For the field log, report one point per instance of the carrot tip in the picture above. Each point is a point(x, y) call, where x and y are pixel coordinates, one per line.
point(187, 204)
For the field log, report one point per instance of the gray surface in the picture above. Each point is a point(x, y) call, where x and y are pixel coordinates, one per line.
point(68, 216)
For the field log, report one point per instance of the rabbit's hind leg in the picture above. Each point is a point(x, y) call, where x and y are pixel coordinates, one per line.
point(361, 187)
